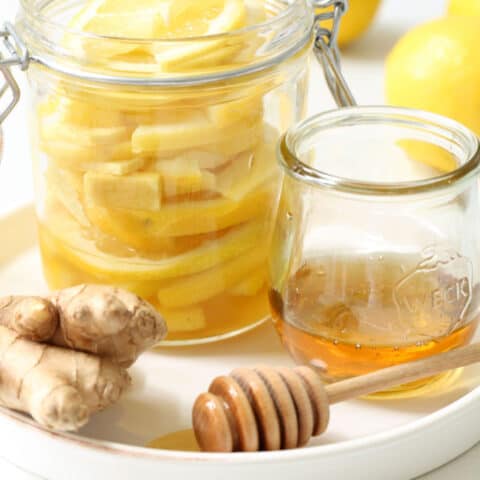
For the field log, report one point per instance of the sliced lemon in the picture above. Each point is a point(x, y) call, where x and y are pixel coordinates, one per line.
point(118, 19)
point(78, 247)
point(63, 268)
point(204, 159)
point(196, 132)
point(205, 285)
point(211, 61)
point(58, 273)
point(240, 139)
point(66, 186)
point(132, 8)
point(247, 172)
point(49, 106)
point(140, 25)
point(138, 191)
point(181, 219)
point(160, 102)
point(185, 319)
point(85, 14)
point(256, 12)
point(56, 129)
point(168, 19)
point(114, 168)
point(88, 114)
point(183, 177)
point(251, 285)
point(191, 18)
point(67, 155)
point(71, 156)
point(231, 112)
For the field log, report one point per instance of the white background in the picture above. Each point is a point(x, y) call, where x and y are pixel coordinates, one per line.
point(363, 66)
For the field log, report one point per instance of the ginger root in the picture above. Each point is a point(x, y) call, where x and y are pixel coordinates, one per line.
point(107, 321)
point(63, 358)
point(59, 388)
point(34, 318)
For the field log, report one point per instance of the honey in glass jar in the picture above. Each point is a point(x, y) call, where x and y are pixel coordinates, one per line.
point(374, 259)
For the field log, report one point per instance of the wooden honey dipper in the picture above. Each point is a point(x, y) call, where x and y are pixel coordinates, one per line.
point(268, 408)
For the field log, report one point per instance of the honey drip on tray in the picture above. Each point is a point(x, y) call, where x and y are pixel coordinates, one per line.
point(182, 440)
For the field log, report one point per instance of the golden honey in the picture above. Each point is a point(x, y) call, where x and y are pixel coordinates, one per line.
point(346, 318)
point(181, 440)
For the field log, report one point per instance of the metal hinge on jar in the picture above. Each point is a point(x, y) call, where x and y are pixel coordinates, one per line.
point(326, 48)
point(13, 52)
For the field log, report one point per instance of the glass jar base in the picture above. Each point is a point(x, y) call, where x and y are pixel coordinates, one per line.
point(433, 385)
point(210, 339)
point(426, 386)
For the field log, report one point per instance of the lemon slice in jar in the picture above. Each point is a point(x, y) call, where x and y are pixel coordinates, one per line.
point(132, 7)
point(194, 131)
point(160, 19)
point(138, 191)
point(193, 18)
point(65, 186)
point(250, 285)
point(85, 14)
point(183, 177)
point(185, 319)
point(113, 168)
point(197, 288)
point(80, 248)
point(69, 155)
point(177, 219)
point(121, 19)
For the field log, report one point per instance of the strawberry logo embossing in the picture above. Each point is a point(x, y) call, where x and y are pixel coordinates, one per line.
point(432, 299)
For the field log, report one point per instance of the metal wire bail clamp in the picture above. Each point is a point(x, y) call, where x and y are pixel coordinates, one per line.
point(14, 52)
point(326, 48)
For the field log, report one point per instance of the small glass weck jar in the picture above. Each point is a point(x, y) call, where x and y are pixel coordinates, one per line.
point(375, 254)
point(154, 158)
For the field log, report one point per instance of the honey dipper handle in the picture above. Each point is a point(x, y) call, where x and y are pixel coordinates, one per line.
point(404, 373)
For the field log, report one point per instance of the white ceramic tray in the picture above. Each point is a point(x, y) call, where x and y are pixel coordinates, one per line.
point(382, 439)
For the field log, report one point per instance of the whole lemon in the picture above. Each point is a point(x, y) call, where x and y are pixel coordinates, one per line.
point(436, 67)
point(464, 7)
point(356, 20)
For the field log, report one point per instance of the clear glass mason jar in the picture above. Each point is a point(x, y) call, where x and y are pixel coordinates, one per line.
point(155, 159)
point(375, 252)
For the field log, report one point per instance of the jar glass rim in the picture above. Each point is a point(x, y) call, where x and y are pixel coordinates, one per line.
point(375, 115)
point(285, 34)
point(35, 10)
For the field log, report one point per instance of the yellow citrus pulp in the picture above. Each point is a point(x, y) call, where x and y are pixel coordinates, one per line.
point(436, 67)
point(166, 194)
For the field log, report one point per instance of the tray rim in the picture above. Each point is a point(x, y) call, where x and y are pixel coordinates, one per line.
point(378, 439)
point(441, 415)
